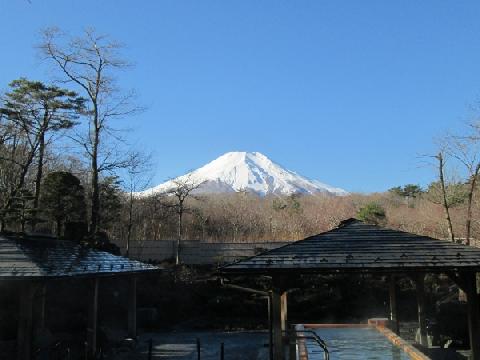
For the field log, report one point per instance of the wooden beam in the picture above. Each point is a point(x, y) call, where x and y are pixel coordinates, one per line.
point(92, 318)
point(284, 311)
point(473, 313)
point(393, 305)
point(40, 306)
point(457, 279)
point(422, 320)
point(278, 348)
point(132, 307)
point(280, 284)
point(25, 321)
point(39, 310)
point(270, 326)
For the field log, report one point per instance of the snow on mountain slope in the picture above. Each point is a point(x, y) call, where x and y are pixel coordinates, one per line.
point(250, 171)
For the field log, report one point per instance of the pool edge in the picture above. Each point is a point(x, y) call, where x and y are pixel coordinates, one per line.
point(302, 347)
point(410, 350)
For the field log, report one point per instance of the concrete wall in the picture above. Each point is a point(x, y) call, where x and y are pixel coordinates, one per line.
point(198, 252)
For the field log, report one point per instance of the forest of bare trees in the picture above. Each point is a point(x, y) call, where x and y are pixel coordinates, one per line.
point(244, 217)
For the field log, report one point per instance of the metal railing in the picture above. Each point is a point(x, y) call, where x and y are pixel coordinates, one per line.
point(312, 335)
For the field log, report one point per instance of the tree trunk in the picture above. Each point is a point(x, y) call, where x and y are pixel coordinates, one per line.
point(444, 197)
point(179, 233)
point(129, 227)
point(21, 181)
point(471, 190)
point(22, 220)
point(38, 179)
point(94, 223)
point(59, 227)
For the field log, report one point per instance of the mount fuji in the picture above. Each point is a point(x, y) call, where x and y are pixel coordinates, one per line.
point(246, 171)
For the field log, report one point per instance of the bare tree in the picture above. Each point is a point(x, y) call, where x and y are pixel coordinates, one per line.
point(138, 177)
point(183, 187)
point(89, 62)
point(466, 149)
point(446, 207)
point(157, 215)
point(16, 157)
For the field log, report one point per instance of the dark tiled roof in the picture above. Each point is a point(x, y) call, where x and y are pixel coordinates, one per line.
point(35, 257)
point(355, 246)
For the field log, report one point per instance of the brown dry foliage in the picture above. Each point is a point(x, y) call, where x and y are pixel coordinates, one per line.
point(244, 217)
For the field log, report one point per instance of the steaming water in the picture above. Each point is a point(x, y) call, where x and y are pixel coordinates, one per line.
point(355, 344)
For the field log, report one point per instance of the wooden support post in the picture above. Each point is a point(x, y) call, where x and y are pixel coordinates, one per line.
point(25, 322)
point(278, 349)
point(292, 343)
point(132, 307)
point(199, 349)
point(393, 305)
point(473, 314)
point(39, 317)
point(40, 306)
point(422, 320)
point(92, 318)
point(270, 326)
point(150, 348)
point(477, 276)
point(279, 315)
point(284, 312)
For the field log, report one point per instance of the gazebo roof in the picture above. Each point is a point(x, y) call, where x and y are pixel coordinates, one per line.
point(355, 246)
point(31, 257)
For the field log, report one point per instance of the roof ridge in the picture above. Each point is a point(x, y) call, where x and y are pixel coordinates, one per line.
point(348, 221)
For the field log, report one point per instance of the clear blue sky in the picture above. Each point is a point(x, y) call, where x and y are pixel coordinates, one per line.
point(346, 92)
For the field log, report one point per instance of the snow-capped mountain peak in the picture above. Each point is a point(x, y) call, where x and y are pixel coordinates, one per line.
point(249, 171)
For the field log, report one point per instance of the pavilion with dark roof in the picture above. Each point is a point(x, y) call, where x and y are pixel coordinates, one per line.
point(30, 262)
point(358, 247)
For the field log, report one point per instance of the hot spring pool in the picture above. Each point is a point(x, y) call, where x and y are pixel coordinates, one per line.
point(355, 344)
